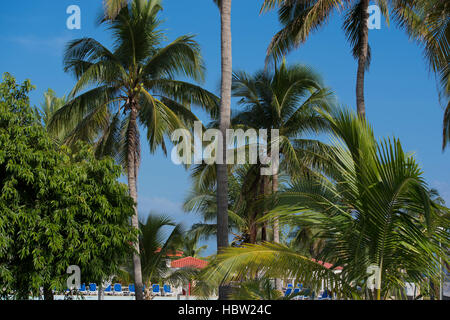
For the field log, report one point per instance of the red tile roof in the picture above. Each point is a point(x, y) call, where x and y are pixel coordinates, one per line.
point(326, 264)
point(189, 262)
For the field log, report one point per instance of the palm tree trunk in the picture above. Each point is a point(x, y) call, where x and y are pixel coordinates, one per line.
point(100, 294)
point(133, 166)
point(362, 59)
point(225, 106)
point(48, 293)
point(264, 186)
point(276, 225)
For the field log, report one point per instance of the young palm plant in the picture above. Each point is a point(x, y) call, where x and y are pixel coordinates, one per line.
point(157, 247)
point(133, 84)
point(190, 245)
point(374, 212)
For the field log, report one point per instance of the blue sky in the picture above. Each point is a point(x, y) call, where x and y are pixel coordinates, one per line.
point(401, 95)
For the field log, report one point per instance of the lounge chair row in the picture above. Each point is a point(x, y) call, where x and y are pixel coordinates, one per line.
point(290, 290)
point(117, 289)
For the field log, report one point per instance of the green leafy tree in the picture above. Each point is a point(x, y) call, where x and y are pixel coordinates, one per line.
point(57, 208)
point(133, 85)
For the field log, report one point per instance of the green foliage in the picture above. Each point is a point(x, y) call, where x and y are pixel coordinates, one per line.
point(57, 208)
point(286, 98)
point(372, 208)
point(258, 289)
point(283, 98)
point(190, 246)
point(133, 78)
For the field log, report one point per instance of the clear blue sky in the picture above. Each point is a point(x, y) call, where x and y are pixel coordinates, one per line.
point(401, 95)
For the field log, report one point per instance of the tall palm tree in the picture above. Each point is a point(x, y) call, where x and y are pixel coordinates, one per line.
point(434, 35)
point(225, 114)
point(373, 210)
point(285, 99)
point(302, 17)
point(132, 84)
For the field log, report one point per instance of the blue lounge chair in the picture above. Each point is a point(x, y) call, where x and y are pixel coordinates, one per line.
point(288, 291)
point(118, 289)
point(93, 288)
point(155, 289)
point(108, 290)
point(131, 289)
point(167, 289)
point(297, 290)
point(324, 295)
point(82, 288)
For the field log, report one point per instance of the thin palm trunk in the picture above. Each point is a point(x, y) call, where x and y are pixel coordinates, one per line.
point(48, 293)
point(276, 225)
point(133, 166)
point(264, 187)
point(225, 106)
point(362, 60)
point(100, 294)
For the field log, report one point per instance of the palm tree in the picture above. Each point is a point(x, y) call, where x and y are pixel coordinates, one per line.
point(113, 7)
point(374, 210)
point(302, 17)
point(245, 198)
point(434, 35)
point(48, 108)
point(190, 246)
point(225, 114)
point(132, 83)
point(284, 99)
